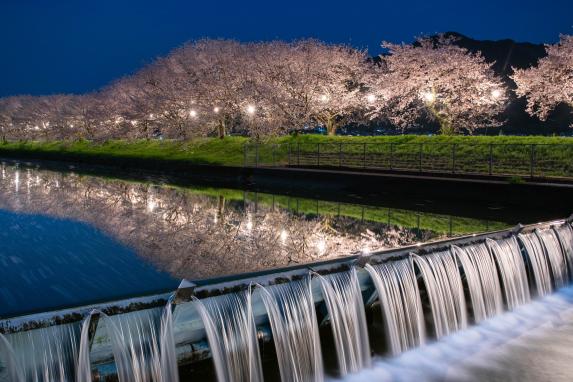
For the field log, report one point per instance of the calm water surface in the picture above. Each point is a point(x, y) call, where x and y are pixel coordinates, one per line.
point(69, 239)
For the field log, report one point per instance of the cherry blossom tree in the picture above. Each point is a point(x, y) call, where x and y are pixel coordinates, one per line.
point(434, 80)
point(129, 100)
point(217, 87)
point(89, 113)
point(217, 74)
point(310, 82)
point(550, 83)
point(9, 107)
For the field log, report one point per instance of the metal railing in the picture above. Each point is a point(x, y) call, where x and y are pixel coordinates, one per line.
point(523, 160)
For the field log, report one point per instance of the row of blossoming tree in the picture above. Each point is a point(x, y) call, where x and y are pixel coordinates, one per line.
point(217, 87)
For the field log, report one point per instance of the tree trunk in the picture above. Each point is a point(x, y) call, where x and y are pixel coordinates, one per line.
point(220, 206)
point(221, 129)
point(446, 127)
point(331, 126)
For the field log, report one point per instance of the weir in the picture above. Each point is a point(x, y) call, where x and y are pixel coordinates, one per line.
point(305, 321)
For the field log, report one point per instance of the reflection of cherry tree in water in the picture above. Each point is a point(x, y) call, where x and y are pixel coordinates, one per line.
point(383, 235)
point(194, 235)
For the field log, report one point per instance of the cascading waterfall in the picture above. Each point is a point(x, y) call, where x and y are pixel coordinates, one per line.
point(168, 361)
point(140, 354)
point(482, 278)
point(143, 345)
point(512, 270)
point(345, 306)
point(134, 345)
point(565, 234)
point(399, 296)
point(553, 252)
point(445, 291)
point(538, 261)
point(292, 316)
point(232, 336)
point(8, 363)
point(43, 355)
point(84, 366)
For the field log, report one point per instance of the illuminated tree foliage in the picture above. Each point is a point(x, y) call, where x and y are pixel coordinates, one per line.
point(550, 83)
point(221, 87)
point(435, 80)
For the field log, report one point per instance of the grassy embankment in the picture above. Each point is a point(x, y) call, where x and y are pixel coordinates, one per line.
point(230, 151)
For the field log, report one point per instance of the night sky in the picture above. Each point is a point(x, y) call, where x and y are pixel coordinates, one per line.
point(66, 46)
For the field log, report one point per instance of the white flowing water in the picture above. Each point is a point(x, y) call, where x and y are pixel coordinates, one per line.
point(141, 342)
point(292, 316)
point(399, 297)
point(482, 279)
point(538, 261)
point(134, 345)
point(8, 362)
point(445, 291)
point(42, 355)
point(512, 270)
point(565, 234)
point(532, 343)
point(345, 305)
point(168, 360)
point(232, 336)
point(553, 251)
point(84, 373)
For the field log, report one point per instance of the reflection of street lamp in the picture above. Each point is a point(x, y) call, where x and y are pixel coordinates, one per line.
point(496, 93)
point(251, 109)
point(249, 224)
point(429, 97)
point(151, 204)
point(321, 246)
point(284, 236)
point(192, 113)
point(370, 98)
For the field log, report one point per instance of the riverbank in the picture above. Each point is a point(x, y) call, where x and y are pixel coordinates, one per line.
point(230, 151)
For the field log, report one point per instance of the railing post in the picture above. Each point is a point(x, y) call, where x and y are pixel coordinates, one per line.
point(420, 156)
point(245, 155)
point(289, 153)
point(491, 159)
point(454, 146)
point(364, 155)
point(340, 155)
point(298, 154)
point(391, 156)
point(532, 161)
point(318, 155)
point(273, 155)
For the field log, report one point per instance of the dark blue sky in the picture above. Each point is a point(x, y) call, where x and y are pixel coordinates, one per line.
point(75, 46)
